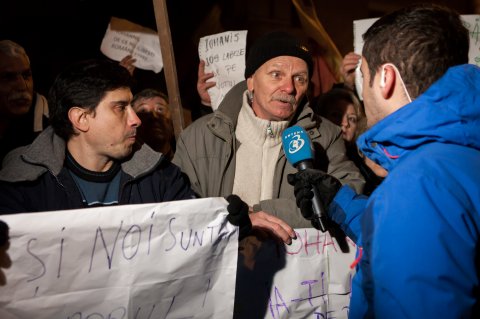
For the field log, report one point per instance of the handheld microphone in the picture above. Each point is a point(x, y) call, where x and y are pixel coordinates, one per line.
point(299, 152)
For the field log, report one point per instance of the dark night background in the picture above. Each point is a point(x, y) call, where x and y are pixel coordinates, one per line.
point(55, 33)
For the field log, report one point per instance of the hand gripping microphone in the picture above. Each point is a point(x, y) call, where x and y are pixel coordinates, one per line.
point(299, 152)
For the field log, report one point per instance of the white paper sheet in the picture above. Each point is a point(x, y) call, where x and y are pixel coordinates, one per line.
point(224, 55)
point(123, 38)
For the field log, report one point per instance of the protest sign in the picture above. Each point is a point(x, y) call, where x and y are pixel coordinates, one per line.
point(224, 55)
point(169, 260)
point(311, 278)
point(471, 22)
point(123, 38)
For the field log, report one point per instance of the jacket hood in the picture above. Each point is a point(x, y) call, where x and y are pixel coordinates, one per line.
point(448, 112)
point(47, 153)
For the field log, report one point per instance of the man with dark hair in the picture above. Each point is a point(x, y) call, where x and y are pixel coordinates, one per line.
point(86, 157)
point(419, 230)
point(151, 100)
point(424, 51)
point(157, 129)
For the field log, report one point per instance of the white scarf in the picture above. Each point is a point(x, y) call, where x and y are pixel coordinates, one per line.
point(41, 109)
point(260, 143)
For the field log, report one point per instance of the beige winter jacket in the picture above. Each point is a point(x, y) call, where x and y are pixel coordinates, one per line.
point(206, 152)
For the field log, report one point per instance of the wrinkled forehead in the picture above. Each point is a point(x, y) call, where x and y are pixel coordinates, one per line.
point(287, 61)
point(14, 63)
point(151, 100)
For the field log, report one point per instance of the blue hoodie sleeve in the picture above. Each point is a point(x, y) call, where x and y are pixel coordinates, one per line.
point(346, 210)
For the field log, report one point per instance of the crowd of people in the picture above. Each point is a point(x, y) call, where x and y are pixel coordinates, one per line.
point(397, 170)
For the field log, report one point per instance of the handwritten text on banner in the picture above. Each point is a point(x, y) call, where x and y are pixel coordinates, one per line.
point(169, 260)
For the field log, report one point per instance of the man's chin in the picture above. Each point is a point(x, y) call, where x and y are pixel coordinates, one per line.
point(284, 116)
point(19, 109)
point(127, 151)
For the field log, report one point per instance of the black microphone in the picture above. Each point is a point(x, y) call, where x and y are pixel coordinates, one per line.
point(299, 152)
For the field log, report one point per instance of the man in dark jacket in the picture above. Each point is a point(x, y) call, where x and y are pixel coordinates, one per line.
point(88, 156)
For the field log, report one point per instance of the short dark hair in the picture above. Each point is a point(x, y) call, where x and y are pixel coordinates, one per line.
point(422, 40)
point(329, 102)
point(83, 84)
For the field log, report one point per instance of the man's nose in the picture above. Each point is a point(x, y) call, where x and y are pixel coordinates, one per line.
point(288, 85)
point(134, 120)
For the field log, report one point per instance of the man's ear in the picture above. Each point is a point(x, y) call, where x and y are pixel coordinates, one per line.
point(387, 81)
point(79, 119)
point(382, 78)
point(250, 83)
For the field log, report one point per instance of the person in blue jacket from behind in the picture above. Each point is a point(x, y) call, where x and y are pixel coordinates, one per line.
point(419, 230)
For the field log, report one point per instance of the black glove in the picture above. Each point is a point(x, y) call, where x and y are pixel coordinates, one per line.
point(303, 181)
point(238, 215)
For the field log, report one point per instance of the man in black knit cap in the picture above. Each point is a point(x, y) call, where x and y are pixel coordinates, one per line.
point(237, 149)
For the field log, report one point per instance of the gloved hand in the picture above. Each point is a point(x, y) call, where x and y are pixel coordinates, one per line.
point(238, 215)
point(327, 187)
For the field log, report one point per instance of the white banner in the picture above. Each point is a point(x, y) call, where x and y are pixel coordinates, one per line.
point(169, 260)
point(311, 278)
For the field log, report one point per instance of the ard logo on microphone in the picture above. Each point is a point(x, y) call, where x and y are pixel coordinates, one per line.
point(296, 142)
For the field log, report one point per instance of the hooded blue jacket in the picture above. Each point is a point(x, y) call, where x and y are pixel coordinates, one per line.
point(419, 229)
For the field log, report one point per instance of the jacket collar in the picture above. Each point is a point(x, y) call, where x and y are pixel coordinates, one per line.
point(47, 153)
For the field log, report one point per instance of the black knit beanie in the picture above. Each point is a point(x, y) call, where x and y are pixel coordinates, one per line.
point(276, 44)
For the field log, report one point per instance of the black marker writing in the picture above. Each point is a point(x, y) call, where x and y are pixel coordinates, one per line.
point(42, 264)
